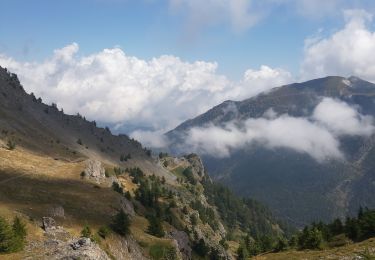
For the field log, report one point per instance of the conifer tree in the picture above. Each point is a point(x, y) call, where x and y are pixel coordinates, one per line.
point(155, 227)
point(6, 236)
point(19, 234)
point(121, 223)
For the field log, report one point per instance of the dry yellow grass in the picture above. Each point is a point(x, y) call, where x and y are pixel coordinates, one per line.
point(26, 162)
point(347, 252)
point(32, 183)
point(139, 231)
point(127, 183)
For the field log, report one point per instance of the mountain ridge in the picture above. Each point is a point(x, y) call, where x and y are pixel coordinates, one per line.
point(336, 187)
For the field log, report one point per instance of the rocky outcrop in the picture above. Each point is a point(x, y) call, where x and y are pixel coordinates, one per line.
point(182, 243)
point(79, 248)
point(48, 224)
point(196, 165)
point(95, 171)
point(59, 244)
point(126, 249)
point(127, 206)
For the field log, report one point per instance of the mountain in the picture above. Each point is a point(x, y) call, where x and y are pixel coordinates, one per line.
point(298, 187)
point(84, 193)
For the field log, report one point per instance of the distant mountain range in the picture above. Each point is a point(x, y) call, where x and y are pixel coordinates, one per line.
point(294, 184)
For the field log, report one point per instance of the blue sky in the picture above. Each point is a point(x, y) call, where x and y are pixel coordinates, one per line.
point(31, 30)
point(156, 63)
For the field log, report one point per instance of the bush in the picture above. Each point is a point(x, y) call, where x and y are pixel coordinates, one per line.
point(86, 231)
point(11, 145)
point(117, 188)
point(128, 195)
point(104, 231)
point(161, 251)
point(79, 141)
point(124, 158)
point(193, 219)
point(188, 173)
point(339, 240)
point(201, 248)
point(310, 238)
point(121, 223)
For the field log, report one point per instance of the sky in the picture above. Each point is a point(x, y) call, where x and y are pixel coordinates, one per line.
point(148, 65)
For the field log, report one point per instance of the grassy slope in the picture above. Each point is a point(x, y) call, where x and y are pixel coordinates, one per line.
point(352, 251)
point(30, 184)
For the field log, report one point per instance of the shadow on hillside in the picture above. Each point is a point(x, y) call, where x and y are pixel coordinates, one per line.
point(82, 202)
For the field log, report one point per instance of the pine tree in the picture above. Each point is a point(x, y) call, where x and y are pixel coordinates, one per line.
point(242, 252)
point(19, 228)
point(121, 223)
point(201, 248)
point(155, 227)
point(281, 244)
point(336, 227)
point(19, 234)
point(6, 236)
point(352, 229)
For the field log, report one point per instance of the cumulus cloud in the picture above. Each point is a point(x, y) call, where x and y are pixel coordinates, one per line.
point(112, 87)
point(317, 135)
point(346, 52)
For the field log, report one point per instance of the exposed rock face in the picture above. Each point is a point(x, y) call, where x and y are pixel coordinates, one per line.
point(196, 165)
point(127, 206)
point(48, 224)
point(81, 248)
point(182, 240)
point(94, 170)
point(126, 249)
point(59, 244)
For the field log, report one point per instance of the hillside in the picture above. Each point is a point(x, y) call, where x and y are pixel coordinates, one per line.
point(68, 180)
point(363, 250)
point(293, 184)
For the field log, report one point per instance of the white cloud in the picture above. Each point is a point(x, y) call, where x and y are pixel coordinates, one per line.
point(347, 52)
point(343, 119)
point(112, 87)
point(317, 135)
point(154, 139)
point(297, 134)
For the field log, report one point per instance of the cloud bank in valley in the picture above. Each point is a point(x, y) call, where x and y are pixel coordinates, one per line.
point(317, 135)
